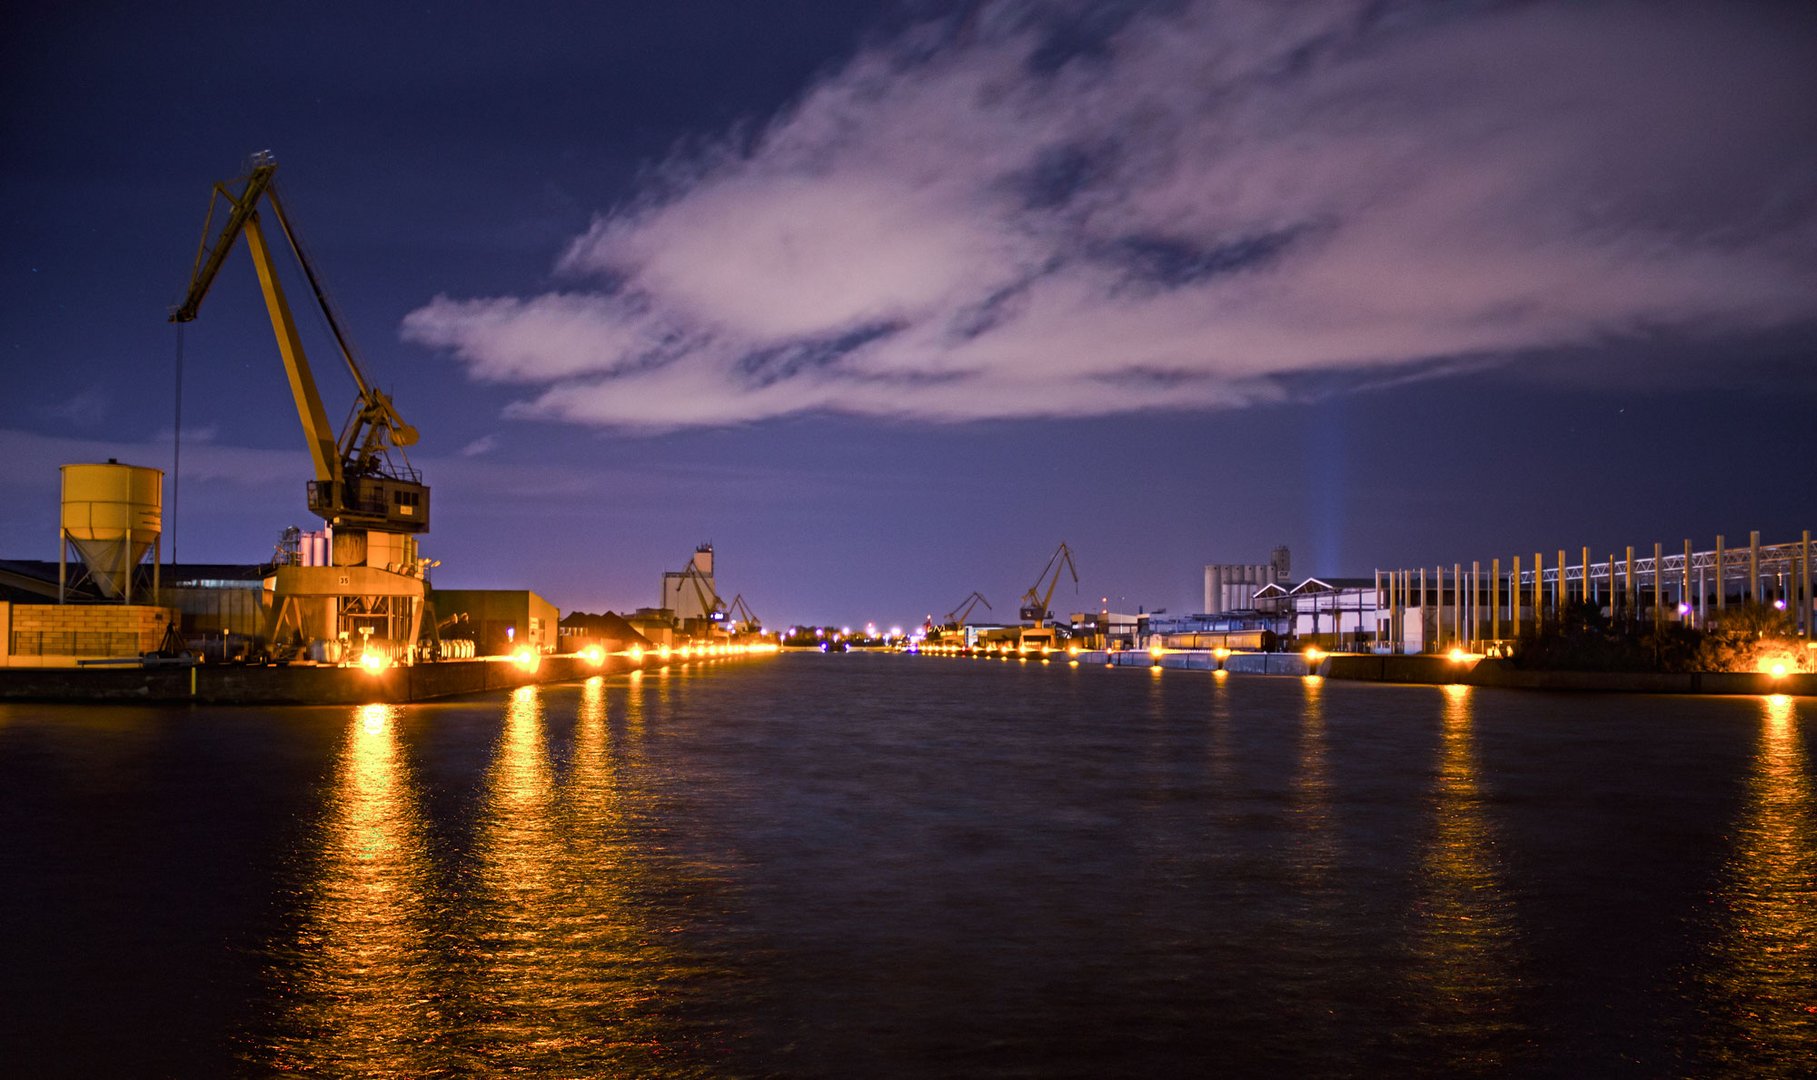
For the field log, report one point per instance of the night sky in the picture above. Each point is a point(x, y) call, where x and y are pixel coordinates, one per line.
point(886, 300)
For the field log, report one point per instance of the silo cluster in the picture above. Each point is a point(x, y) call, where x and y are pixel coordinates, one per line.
point(1232, 586)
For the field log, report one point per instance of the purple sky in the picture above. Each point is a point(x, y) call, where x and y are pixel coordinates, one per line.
point(887, 300)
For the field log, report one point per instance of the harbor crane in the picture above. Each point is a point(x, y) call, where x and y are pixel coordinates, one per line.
point(747, 620)
point(955, 619)
point(710, 603)
point(371, 595)
point(1035, 602)
point(357, 483)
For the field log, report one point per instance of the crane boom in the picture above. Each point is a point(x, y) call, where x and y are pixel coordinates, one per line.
point(710, 603)
point(356, 483)
point(956, 617)
point(748, 622)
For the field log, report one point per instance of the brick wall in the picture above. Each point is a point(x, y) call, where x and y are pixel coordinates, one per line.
point(52, 632)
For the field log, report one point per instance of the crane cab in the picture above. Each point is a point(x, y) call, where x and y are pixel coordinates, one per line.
point(372, 502)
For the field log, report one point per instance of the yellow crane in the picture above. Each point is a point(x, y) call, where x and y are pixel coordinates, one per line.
point(1034, 602)
point(357, 484)
point(369, 602)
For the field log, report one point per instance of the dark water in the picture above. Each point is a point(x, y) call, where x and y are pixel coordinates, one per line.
point(856, 866)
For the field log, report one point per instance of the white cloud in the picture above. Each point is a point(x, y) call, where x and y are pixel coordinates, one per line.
point(1214, 197)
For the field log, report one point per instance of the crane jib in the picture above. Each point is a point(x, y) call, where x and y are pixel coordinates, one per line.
point(357, 484)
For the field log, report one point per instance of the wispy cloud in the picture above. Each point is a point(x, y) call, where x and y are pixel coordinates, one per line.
point(83, 410)
point(485, 444)
point(1187, 210)
point(235, 473)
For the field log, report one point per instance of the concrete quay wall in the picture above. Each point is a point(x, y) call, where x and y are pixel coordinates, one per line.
point(1501, 673)
point(300, 685)
point(1432, 670)
point(1202, 660)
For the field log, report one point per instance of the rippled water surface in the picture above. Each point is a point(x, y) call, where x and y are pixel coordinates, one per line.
point(856, 866)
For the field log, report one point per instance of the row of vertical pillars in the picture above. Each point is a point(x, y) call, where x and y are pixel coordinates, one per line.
point(1479, 605)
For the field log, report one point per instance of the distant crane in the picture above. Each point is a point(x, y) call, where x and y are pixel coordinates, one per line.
point(710, 602)
point(955, 619)
point(1034, 602)
point(747, 620)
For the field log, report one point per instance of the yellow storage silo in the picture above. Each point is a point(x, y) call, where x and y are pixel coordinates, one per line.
point(112, 514)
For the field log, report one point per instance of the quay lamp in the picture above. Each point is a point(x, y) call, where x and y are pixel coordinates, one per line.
point(1458, 655)
point(373, 662)
point(594, 655)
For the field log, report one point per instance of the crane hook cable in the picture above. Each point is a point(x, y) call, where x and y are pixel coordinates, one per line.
point(176, 465)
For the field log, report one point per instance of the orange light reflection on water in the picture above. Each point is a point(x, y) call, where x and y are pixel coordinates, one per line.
point(360, 977)
point(1464, 936)
point(1766, 959)
point(1310, 796)
point(576, 978)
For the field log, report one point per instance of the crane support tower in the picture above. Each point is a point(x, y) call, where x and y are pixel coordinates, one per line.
point(370, 598)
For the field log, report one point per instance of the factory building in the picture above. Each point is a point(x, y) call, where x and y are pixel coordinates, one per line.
point(218, 608)
point(657, 625)
point(499, 621)
point(691, 592)
point(1335, 614)
point(1233, 586)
